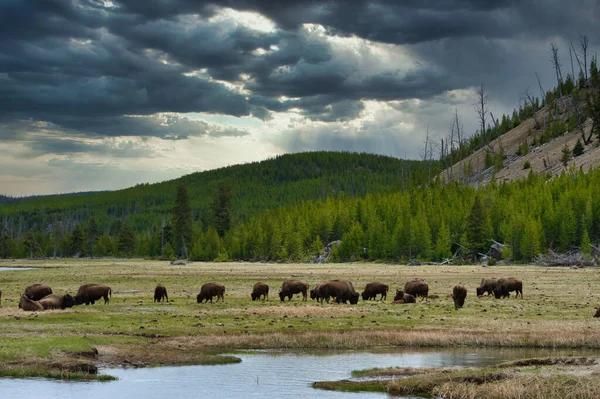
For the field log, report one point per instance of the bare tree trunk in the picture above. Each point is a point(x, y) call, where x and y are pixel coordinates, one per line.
point(528, 97)
point(459, 138)
point(481, 108)
point(583, 44)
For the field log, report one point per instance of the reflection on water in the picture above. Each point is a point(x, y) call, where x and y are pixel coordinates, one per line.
point(10, 269)
point(260, 375)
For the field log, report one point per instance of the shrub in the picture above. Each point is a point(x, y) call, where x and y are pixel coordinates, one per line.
point(566, 155)
point(527, 165)
point(578, 149)
point(523, 149)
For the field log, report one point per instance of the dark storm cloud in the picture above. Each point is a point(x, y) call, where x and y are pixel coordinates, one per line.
point(84, 66)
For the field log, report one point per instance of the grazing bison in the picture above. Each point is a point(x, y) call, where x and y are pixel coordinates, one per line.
point(90, 293)
point(597, 312)
point(210, 290)
point(459, 293)
point(29, 305)
point(291, 287)
point(160, 293)
point(487, 285)
point(260, 289)
point(54, 301)
point(372, 289)
point(343, 291)
point(506, 285)
point(315, 293)
point(36, 292)
point(416, 287)
point(402, 297)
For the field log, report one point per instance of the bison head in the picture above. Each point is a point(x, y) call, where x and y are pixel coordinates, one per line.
point(480, 291)
point(254, 296)
point(354, 298)
point(282, 296)
point(68, 301)
point(199, 298)
point(365, 295)
point(597, 312)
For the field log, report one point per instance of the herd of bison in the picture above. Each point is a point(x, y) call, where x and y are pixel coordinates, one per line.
point(41, 297)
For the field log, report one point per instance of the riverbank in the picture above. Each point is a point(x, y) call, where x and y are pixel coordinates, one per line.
point(132, 330)
point(545, 378)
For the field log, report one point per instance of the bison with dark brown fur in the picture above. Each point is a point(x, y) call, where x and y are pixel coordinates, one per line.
point(54, 301)
point(29, 305)
point(343, 291)
point(260, 289)
point(90, 293)
point(459, 294)
point(315, 293)
point(372, 289)
point(416, 287)
point(210, 290)
point(35, 292)
point(402, 297)
point(597, 312)
point(160, 293)
point(507, 285)
point(487, 285)
point(289, 288)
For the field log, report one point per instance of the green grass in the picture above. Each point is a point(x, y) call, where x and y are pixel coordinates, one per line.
point(556, 311)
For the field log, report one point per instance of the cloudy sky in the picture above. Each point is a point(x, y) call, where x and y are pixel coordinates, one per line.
point(98, 95)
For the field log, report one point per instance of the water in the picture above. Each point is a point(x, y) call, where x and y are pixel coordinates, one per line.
point(260, 375)
point(11, 269)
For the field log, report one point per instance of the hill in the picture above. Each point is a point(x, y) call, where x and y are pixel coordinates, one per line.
point(281, 181)
point(532, 146)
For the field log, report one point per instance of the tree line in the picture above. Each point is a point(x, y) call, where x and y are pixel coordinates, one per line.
point(429, 223)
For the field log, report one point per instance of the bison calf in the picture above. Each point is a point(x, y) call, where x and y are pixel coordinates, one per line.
point(597, 312)
point(160, 293)
point(459, 293)
point(372, 289)
point(259, 290)
point(210, 290)
point(403, 297)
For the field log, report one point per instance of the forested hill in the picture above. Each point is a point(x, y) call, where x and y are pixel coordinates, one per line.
point(281, 181)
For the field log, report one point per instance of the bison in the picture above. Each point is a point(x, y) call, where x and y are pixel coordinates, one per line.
point(343, 291)
point(372, 289)
point(506, 285)
point(597, 312)
point(54, 301)
point(416, 287)
point(487, 285)
point(402, 297)
point(36, 292)
point(160, 293)
point(90, 293)
point(260, 289)
point(459, 294)
point(315, 293)
point(291, 287)
point(210, 290)
point(29, 305)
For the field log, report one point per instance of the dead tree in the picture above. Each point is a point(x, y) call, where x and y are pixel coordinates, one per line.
point(459, 138)
point(557, 66)
point(481, 108)
point(583, 45)
point(527, 97)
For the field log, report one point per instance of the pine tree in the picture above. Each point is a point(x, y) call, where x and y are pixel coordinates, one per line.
point(126, 239)
point(586, 245)
point(182, 222)
point(91, 233)
point(578, 149)
point(443, 242)
point(220, 207)
point(31, 246)
point(78, 241)
point(478, 228)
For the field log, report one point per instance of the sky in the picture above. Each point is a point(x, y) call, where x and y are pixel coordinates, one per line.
point(103, 95)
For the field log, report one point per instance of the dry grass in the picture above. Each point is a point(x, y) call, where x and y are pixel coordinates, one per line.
point(556, 311)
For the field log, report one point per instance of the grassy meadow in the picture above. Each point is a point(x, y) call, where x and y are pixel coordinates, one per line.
point(556, 312)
